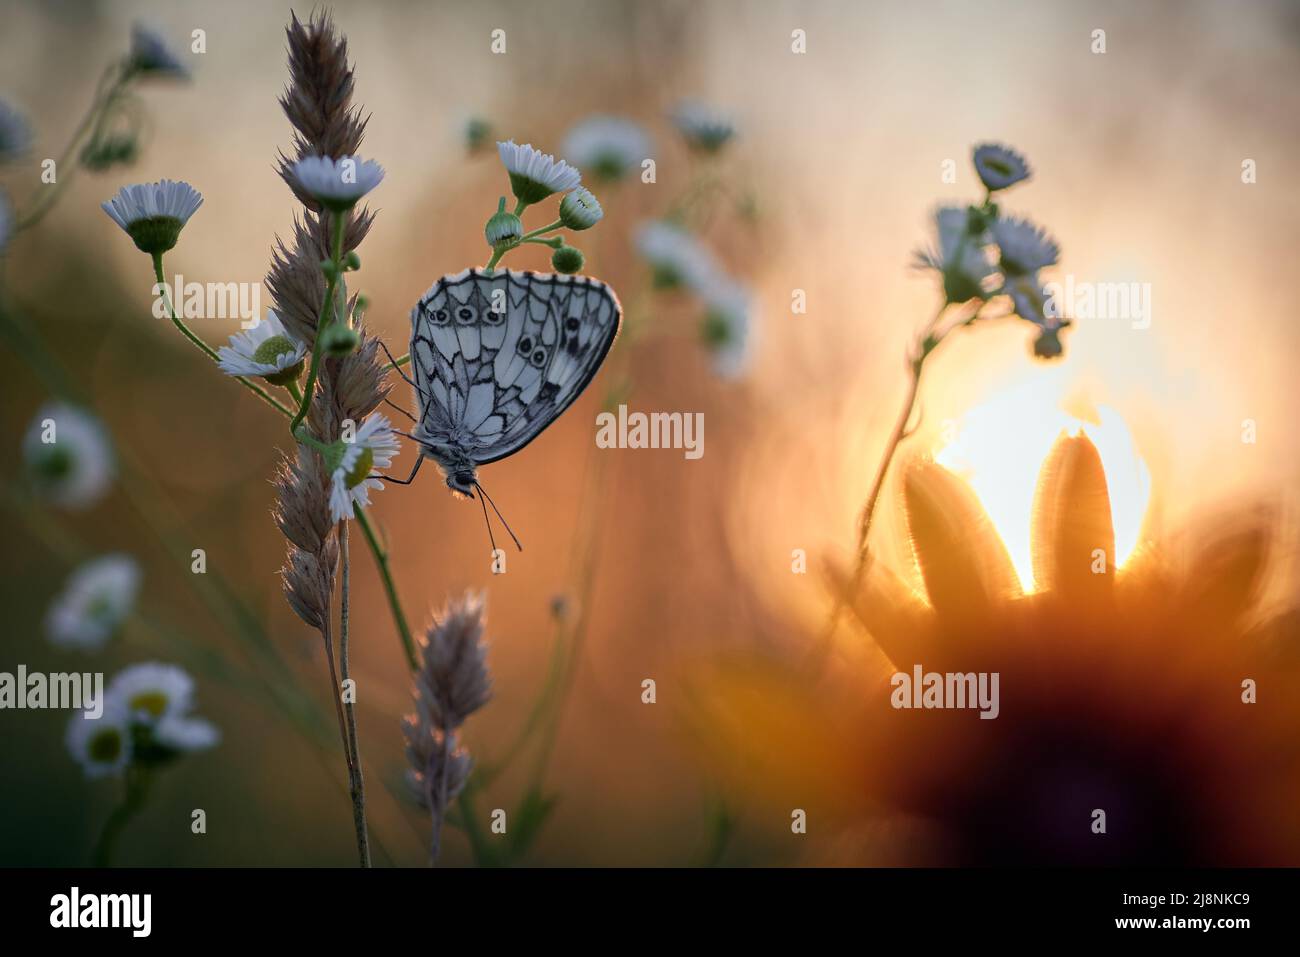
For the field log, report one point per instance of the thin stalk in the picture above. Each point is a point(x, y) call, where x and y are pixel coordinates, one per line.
point(137, 791)
point(356, 779)
point(206, 349)
point(390, 588)
point(99, 106)
point(542, 229)
point(929, 340)
point(439, 807)
point(323, 322)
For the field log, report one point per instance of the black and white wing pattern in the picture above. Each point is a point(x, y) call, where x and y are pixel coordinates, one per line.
point(497, 358)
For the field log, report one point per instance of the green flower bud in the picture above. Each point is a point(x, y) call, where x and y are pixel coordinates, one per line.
point(352, 261)
point(340, 340)
point(568, 260)
point(503, 230)
point(1048, 344)
point(579, 210)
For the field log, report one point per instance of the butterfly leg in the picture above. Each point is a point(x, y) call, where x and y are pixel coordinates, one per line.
point(399, 409)
point(411, 382)
point(410, 478)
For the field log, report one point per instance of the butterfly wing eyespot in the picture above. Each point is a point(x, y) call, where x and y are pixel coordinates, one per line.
point(497, 358)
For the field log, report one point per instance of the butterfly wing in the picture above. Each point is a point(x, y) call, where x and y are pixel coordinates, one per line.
point(497, 358)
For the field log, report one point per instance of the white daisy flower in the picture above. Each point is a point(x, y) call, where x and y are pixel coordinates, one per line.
point(372, 448)
point(67, 456)
point(151, 693)
point(93, 604)
point(337, 184)
point(958, 255)
point(265, 350)
point(102, 745)
point(151, 54)
point(728, 322)
point(999, 166)
point(705, 128)
point(580, 210)
point(608, 147)
point(186, 734)
point(15, 134)
point(153, 214)
point(534, 175)
point(1025, 248)
point(675, 256)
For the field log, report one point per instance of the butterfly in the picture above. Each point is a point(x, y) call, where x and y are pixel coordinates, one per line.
point(496, 358)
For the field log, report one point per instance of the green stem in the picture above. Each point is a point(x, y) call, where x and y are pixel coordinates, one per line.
point(294, 393)
point(95, 115)
point(323, 322)
point(206, 349)
point(401, 361)
point(137, 791)
point(386, 575)
point(542, 229)
point(357, 784)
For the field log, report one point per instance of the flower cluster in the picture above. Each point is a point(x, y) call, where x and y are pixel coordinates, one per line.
point(534, 176)
point(145, 722)
point(981, 253)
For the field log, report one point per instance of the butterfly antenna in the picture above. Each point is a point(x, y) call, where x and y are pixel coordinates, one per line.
point(501, 517)
point(487, 521)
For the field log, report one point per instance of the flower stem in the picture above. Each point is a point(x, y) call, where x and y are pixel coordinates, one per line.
point(137, 790)
point(926, 344)
point(119, 74)
point(203, 347)
point(357, 784)
point(323, 322)
point(542, 229)
point(400, 361)
point(386, 575)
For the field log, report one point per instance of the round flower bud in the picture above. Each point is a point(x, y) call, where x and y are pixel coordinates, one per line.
point(580, 210)
point(504, 229)
point(340, 340)
point(568, 260)
point(1048, 344)
point(352, 261)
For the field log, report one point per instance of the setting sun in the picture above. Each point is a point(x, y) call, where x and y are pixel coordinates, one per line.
point(999, 446)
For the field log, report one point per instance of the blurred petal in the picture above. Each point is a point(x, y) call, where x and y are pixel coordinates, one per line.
point(769, 733)
point(1225, 573)
point(897, 619)
point(1072, 533)
point(965, 565)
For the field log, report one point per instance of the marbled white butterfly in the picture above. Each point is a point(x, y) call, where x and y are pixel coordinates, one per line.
point(497, 358)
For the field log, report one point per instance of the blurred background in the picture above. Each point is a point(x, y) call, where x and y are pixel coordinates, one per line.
point(1137, 155)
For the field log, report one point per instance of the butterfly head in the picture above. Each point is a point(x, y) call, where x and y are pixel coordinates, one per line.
point(462, 480)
